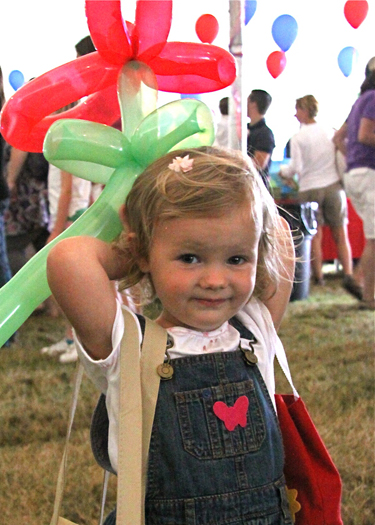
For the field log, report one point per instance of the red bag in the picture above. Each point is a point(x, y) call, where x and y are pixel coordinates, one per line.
point(308, 466)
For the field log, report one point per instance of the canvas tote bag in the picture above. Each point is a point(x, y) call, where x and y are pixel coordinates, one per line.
point(139, 386)
point(311, 476)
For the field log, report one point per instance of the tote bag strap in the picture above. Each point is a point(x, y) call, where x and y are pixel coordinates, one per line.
point(284, 365)
point(138, 396)
point(61, 476)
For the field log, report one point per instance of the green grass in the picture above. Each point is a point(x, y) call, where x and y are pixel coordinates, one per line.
point(330, 347)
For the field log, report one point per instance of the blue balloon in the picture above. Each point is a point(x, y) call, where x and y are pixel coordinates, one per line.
point(284, 31)
point(16, 79)
point(346, 59)
point(197, 96)
point(250, 8)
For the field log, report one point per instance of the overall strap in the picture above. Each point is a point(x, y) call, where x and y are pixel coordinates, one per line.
point(280, 352)
point(139, 385)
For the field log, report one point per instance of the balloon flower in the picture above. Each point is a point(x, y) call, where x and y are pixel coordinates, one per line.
point(135, 68)
point(355, 12)
point(180, 67)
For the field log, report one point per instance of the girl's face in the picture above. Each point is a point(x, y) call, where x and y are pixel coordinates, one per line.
point(204, 268)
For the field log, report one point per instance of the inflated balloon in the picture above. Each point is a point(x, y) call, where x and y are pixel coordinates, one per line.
point(276, 63)
point(284, 31)
point(136, 62)
point(16, 79)
point(207, 28)
point(346, 59)
point(355, 12)
point(97, 152)
point(180, 67)
point(196, 96)
point(250, 8)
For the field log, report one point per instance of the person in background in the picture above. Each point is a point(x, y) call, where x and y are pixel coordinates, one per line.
point(356, 139)
point(260, 139)
point(313, 160)
point(26, 219)
point(69, 198)
point(222, 131)
point(5, 272)
point(203, 234)
point(84, 47)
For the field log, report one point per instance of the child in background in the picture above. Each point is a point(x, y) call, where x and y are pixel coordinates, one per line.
point(203, 235)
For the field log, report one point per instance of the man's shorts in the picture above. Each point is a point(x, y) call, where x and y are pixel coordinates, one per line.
point(332, 206)
point(360, 188)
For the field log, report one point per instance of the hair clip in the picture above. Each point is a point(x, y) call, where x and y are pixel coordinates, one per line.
point(181, 164)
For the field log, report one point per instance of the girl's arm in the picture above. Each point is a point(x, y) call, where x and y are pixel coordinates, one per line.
point(79, 272)
point(63, 205)
point(278, 301)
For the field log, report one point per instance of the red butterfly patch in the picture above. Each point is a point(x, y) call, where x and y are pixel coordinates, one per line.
point(232, 416)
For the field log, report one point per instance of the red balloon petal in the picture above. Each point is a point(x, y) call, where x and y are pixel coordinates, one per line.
point(207, 28)
point(153, 22)
point(107, 30)
point(186, 67)
point(355, 12)
point(25, 120)
point(276, 63)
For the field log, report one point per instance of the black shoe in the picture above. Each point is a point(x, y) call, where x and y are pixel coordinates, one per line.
point(352, 287)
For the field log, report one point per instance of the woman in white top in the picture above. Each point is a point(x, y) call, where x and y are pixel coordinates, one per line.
point(313, 160)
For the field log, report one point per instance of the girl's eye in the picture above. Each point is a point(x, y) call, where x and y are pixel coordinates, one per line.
point(236, 259)
point(188, 258)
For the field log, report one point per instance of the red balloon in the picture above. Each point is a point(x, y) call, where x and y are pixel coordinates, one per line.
point(276, 63)
point(28, 114)
point(207, 28)
point(180, 67)
point(355, 12)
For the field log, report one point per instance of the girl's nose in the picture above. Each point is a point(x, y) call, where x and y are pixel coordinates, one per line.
point(214, 277)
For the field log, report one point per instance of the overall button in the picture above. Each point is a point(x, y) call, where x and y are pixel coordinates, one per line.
point(206, 393)
point(165, 371)
point(250, 357)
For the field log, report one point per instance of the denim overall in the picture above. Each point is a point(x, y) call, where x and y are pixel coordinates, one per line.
point(201, 473)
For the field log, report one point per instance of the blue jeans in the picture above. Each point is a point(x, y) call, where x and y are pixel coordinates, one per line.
point(201, 473)
point(5, 273)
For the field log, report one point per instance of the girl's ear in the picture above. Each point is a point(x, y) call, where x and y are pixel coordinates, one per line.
point(132, 242)
point(143, 265)
point(133, 246)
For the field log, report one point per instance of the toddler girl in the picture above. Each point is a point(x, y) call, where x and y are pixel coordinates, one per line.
point(203, 235)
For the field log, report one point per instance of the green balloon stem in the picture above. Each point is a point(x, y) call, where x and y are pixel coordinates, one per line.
point(29, 287)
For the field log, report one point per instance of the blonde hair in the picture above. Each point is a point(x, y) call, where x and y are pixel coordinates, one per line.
point(309, 103)
point(219, 181)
